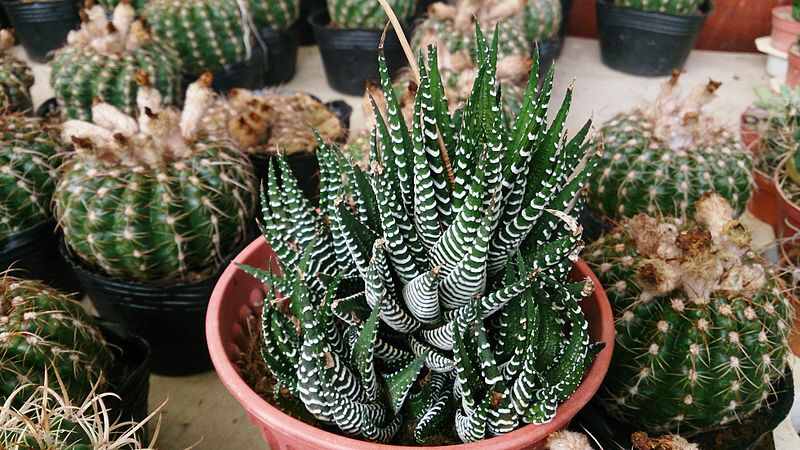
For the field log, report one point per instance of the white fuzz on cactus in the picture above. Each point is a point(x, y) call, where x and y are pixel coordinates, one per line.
point(568, 440)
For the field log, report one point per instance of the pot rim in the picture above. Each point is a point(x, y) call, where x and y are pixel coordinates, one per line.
point(706, 8)
point(263, 412)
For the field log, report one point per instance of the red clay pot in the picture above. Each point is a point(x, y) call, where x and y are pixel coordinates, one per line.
point(238, 296)
point(793, 72)
point(785, 30)
point(763, 203)
point(789, 221)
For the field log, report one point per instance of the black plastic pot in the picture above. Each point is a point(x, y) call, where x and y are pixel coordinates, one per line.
point(593, 224)
point(350, 56)
point(566, 10)
point(301, 28)
point(646, 43)
point(42, 26)
point(130, 377)
point(753, 433)
point(34, 254)
point(170, 317)
point(247, 74)
point(4, 23)
point(281, 60)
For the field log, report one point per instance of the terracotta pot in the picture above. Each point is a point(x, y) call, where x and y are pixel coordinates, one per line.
point(238, 296)
point(793, 72)
point(763, 203)
point(732, 26)
point(785, 30)
point(788, 220)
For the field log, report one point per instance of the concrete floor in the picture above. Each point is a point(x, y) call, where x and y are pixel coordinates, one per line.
point(200, 412)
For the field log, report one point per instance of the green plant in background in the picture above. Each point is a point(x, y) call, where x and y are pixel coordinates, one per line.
point(796, 9)
point(49, 418)
point(661, 158)
point(28, 173)
point(366, 15)
point(43, 330)
point(150, 198)
point(675, 7)
point(111, 4)
point(101, 60)
point(778, 133)
point(702, 323)
point(211, 34)
point(541, 19)
point(429, 298)
point(16, 78)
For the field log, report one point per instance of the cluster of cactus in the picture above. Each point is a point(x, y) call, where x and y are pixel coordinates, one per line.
point(43, 330)
point(150, 198)
point(50, 418)
point(520, 25)
point(211, 34)
point(702, 322)
point(271, 122)
point(101, 60)
point(16, 78)
point(28, 169)
point(779, 133)
point(663, 157)
point(429, 297)
point(369, 15)
point(674, 7)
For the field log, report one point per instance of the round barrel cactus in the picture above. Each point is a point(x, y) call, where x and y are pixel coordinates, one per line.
point(151, 199)
point(275, 14)
point(28, 169)
point(541, 19)
point(661, 158)
point(16, 78)
point(111, 4)
point(44, 331)
point(674, 7)
point(366, 15)
point(101, 61)
point(702, 322)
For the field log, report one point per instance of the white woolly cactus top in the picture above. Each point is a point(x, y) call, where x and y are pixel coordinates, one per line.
point(119, 34)
point(678, 120)
point(157, 135)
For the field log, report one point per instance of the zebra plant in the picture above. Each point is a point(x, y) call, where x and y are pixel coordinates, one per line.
point(427, 299)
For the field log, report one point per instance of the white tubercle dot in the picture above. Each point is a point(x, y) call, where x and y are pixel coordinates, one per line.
point(653, 350)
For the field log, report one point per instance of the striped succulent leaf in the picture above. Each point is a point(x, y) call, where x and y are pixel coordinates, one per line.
point(411, 310)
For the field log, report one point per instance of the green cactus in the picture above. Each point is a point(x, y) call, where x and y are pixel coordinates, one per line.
point(780, 129)
point(102, 60)
point(662, 158)
point(43, 330)
point(675, 7)
point(796, 9)
point(210, 34)
point(154, 201)
point(541, 19)
point(49, 418)
point(367, 15)
point(28, 170)
point(16, 78)
point(702, 322)
point(111, 4)
point(429, 296)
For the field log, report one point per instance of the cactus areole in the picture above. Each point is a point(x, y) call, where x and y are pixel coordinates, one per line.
point(702, 322)
point(659, 159)
point(427, 299)
point(151, 198)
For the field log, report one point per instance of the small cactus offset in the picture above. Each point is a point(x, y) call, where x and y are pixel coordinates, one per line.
point(663, 157)
point(101, 60)
point(211, 34)
point(28, 171)
point(271, 122)
point(150, 198)
point(674, 7)
point(366, 14)
point(49, 418)
point(702, 323)
point(43, 330)
point(16, 78)
point(428, 297)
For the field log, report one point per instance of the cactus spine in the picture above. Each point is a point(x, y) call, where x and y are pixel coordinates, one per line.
point(430, 293)
point(675, 7)
point(662, 158)
point(702, 323)
point(358, 14)
point(16, 78)
point(149, 198)
point(101, 60)
point(28, 170)
point(43, 330)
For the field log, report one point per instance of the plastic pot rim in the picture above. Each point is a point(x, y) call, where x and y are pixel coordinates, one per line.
point(25, 237)
point(651, 21)
point(264, 413)
point(353, 38)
